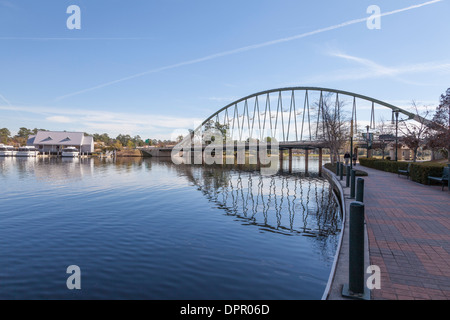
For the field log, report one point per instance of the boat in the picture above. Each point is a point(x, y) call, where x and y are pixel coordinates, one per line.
point(12, 150)
point(27, 152)
point(70, 152)
point(7, 151)
point(4, 152)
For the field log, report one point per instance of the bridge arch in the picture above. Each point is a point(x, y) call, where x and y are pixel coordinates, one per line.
point(266, 113)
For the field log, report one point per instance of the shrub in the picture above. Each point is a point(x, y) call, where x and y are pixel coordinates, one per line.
point(383, 165)
point(419, 171)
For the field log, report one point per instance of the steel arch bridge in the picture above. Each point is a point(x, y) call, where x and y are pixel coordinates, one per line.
point(298, 114)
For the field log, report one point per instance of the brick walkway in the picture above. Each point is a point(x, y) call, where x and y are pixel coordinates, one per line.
point(408, 227)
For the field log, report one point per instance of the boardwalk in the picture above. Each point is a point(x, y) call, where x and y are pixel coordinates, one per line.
point(408, 227)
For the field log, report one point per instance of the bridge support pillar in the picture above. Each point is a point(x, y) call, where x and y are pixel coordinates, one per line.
point(306, 160)
point(258, 158)
point(290, 160)
point(320, 161)
point(281, 159)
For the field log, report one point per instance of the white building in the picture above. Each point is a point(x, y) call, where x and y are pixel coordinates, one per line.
point(55, 141)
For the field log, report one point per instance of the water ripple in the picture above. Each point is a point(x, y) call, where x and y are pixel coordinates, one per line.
point(146, 229)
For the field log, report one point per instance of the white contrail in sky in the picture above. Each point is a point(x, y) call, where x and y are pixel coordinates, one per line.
point(4, 99)
point(244, 49)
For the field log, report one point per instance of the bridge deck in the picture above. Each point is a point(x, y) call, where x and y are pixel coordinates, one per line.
point(247, 146)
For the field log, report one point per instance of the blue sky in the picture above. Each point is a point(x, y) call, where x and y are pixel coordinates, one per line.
point(152, 67)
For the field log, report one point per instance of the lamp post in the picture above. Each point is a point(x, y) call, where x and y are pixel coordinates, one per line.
point(351, 151)
point(396, 112)
point(367, 139)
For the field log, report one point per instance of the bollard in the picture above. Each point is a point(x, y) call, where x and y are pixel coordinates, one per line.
point(360, 190)
point(356, 257)
point(347, 181)
point(356, 286)
point(352, 184)
point(341, 170)
point(337, 168)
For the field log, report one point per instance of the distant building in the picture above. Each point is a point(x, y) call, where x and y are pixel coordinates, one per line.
point(403, 152)
point(55, 141)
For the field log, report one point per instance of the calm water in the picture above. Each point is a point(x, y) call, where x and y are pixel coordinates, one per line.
point(147, 229)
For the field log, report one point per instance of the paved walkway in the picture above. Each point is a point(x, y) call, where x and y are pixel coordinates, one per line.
point(408, 226)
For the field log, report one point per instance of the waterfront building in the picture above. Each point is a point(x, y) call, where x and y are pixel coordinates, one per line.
point(55, 141)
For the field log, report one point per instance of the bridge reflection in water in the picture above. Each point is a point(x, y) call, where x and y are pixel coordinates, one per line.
point(291, 204)
point(294, 204)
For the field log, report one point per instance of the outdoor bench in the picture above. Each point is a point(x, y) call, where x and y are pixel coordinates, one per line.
point(405, 172)
point(443, 180)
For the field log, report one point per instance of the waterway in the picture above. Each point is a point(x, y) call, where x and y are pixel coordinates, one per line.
point(148, 229)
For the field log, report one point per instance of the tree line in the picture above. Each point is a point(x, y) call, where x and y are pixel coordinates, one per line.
point(125, 140)
point(20, 139)
point(103, 141)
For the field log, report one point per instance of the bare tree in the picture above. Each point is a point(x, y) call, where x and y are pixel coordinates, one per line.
point(335, 127)
point(385, 133)
point(415, 133)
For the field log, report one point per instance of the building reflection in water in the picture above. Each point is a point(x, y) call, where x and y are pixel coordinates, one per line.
point(50, 170)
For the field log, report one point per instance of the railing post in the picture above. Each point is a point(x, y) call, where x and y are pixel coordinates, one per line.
point(360, 190)
point(352, 184)
point(347, 181)
point(356, 287)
